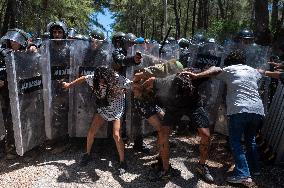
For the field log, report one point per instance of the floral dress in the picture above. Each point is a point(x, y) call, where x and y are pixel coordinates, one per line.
point(116, 106)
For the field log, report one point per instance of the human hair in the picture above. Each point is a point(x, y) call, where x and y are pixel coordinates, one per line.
point(182, 86)
point(235, 57)
point(110, 79)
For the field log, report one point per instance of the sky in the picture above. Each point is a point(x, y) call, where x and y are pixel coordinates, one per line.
point(106, 21)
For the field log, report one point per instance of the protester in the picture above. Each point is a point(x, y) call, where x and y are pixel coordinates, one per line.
point(178, 96)
point(109, 90)
point(244, 109)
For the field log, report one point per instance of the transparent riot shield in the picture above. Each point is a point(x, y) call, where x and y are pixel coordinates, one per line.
point(87, 56)
point(135, 125)
point(188, 55)
point(170, 51)
point(210, 54)
point(256, 57)
point(2, 78)
point(2, 127)
point(24, 75)
point(56, 60)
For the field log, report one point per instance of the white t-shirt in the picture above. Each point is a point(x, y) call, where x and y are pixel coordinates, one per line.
point(242, 89)
point(116, 106)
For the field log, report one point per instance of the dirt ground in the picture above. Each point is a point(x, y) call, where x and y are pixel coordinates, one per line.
point(46, 168)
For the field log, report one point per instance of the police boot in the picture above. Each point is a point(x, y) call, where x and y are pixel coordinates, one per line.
point(140, 146)
point(11, 152)
point(2, 149)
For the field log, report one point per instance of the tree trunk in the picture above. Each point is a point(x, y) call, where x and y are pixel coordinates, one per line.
point(186, 20)
point(165, 23)
point(261, 15)
point(9, 18)
point(142, 26)
point(202, 20)
point(274, 15)
point(177, 20)
point(200, 15)
point(193, 17)
point(282, 16)
point(221, 8)
point(153, 29)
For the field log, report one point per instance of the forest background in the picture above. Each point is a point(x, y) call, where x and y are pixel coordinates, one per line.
point(151, 19)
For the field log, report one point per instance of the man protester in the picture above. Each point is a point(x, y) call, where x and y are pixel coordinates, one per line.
point(245, 110)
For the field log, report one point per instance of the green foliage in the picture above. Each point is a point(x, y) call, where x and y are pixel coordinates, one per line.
point(34, 15)
point(221, 29)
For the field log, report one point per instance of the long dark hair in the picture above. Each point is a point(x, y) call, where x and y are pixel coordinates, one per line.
point(110, 79)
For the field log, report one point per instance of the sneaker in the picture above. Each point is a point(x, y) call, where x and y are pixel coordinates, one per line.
point(86, 158)
point(239, 180)
point(122, 168)
point(203, 170)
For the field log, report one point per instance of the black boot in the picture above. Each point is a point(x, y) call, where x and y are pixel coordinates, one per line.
point(140, 146)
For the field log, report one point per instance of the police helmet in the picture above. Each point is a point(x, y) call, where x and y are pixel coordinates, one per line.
point(118, 39)
point(16, 35)
point(72, 33)
point(130, 37)
point(171, 40)
point(183, 43)
point(198, 38)
point(245, 34)
point(211, 40)
point(56, 24)
point(97, 35)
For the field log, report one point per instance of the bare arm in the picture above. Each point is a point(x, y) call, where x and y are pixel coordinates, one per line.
point(212, 71)
point(73, 83)
point(272, 74)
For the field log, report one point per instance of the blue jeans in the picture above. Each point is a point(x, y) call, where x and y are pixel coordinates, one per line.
point(247, 124)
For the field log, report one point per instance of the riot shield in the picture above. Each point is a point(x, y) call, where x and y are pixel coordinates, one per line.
point(87, 56)
point(56, 60)
point(170, 51)
point(210, 54)
point(188, 55)
point(2, 127)
point(135, 125)
point(256, 57)
point(26, 98)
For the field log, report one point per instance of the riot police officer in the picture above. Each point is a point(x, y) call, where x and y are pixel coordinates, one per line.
point(13, 40)
point(97, 54)
point(245, 36)
point(198, 39)
point(72, 32)
point(57, 30)
point(184, 52)
point(121, 61)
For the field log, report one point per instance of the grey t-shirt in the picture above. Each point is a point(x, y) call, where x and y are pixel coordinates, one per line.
point(242, 89)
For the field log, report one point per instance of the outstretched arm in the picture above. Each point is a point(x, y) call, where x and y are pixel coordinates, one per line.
point(271, 74)
point(73, 83)
point(212, 71)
